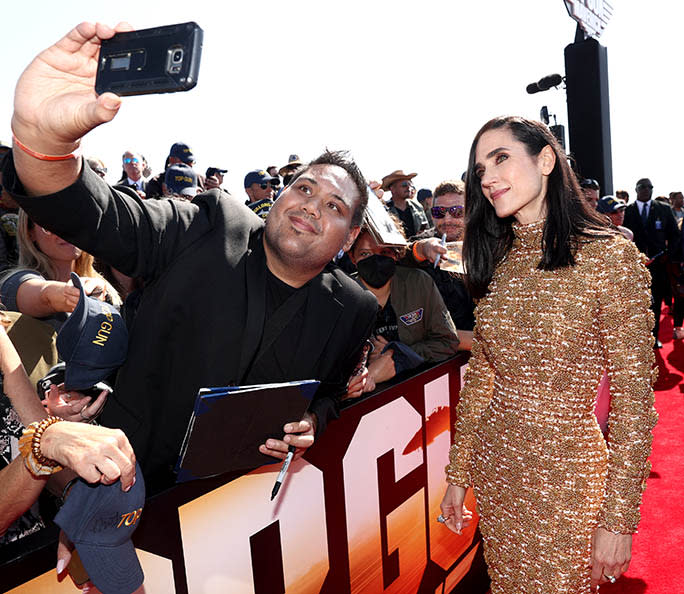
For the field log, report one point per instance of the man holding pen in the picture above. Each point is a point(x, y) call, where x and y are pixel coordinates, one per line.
point(228, 298)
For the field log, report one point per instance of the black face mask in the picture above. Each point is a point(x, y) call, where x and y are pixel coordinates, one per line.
point(376, 270)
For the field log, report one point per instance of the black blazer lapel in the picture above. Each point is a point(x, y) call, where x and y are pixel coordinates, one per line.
point(255, 275)
point(322, 312)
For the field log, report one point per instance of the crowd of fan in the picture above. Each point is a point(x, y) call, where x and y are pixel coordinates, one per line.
point(425, 314)
point(421, 322)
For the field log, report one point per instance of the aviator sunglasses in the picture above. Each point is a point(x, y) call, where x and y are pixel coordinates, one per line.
point(439, 212)
point(128, 160)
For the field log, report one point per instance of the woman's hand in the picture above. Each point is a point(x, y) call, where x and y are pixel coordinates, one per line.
point(377, 188)
point(97, 454)
point(456, 514)
point(58, 296)
point(357, 384)
point(73, 406)
point(610, 556)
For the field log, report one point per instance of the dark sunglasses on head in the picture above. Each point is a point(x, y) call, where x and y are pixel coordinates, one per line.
point(128, 160)
point(439, 212)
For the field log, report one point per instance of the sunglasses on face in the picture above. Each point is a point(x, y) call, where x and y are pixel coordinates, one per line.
point(439, 212)
point(264, 186)
point(406, 185)
point(129, 160)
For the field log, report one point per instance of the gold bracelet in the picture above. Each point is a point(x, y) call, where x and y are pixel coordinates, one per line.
point(29, 446)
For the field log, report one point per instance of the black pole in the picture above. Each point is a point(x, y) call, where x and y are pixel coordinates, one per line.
point(586, 79)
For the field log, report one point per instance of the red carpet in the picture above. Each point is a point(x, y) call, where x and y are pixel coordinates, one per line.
point(658, 550)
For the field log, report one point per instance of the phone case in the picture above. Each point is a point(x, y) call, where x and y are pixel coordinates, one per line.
point(158, 60)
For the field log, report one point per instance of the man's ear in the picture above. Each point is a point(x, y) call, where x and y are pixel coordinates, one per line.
point(351, 238)
point(547, 159)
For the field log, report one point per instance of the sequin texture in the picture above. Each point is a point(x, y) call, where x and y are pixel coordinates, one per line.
point(526, 436)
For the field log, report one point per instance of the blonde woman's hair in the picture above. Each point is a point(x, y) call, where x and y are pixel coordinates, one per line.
point(31, 257)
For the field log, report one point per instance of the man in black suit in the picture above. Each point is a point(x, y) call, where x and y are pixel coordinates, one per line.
point(132, 174)
point(656, 235)
point(228, 299)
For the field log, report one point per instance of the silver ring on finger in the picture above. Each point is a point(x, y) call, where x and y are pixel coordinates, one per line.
point(84, 417)
point(610, 578)
point(441, 519)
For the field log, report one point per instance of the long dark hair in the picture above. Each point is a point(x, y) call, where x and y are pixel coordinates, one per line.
point(488, 238)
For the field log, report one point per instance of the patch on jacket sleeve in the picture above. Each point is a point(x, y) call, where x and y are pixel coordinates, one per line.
point(412, 317)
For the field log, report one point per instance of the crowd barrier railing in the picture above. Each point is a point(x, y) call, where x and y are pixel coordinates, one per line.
point(356, 514)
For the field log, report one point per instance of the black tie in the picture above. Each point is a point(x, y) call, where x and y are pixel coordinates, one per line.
point(644, 213)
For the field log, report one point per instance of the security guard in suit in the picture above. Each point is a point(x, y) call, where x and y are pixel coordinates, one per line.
point(656, 235)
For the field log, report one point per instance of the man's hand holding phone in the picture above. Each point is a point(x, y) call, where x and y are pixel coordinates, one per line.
point(55, 105)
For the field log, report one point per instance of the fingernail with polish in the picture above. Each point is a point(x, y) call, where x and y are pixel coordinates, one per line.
point(61, 564)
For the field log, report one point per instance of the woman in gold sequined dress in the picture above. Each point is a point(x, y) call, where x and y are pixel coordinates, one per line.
point(562, 296)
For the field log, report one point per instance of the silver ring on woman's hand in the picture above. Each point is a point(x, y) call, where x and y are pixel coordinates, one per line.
point(84, 417)
point(441, 519)
point(610, 578)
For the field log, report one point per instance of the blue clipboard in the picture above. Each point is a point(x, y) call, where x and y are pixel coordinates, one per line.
point(228, 424)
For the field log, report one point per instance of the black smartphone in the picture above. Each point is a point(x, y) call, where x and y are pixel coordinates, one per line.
point(158, 60)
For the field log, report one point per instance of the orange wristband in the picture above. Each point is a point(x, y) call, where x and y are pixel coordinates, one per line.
point(418, 257)
point(40, 156)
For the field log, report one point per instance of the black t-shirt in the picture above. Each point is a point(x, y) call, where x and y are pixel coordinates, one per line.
point(273, 360)
point(406, 218)
point(386, 323)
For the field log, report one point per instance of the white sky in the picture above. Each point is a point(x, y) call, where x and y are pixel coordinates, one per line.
point(402, 84)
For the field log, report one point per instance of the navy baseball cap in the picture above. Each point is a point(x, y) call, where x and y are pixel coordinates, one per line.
point(589, 183)
point(423, 194)
point(181, 179)
point(100, 520)
point(258, 176)
point(609, 204)
point(182, 151)
point(212, 170)
point(93, 342)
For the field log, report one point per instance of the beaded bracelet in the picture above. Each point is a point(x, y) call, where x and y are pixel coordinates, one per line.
point(29, 446)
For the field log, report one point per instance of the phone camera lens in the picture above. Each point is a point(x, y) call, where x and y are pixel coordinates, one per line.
point(178, 56)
